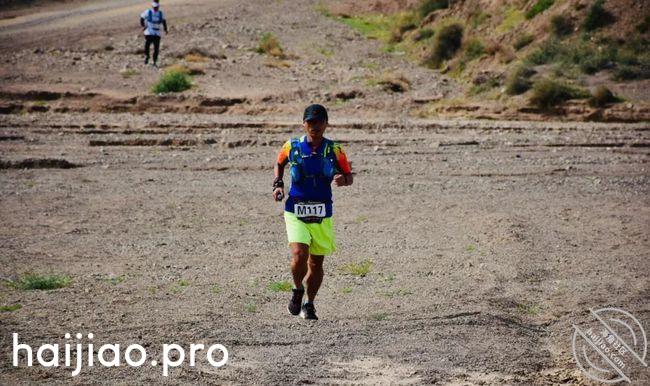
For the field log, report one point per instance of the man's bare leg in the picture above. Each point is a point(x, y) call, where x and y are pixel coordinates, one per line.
point(314, 276)
point(299, 257)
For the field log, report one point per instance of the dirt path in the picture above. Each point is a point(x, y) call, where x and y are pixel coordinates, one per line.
point(487, 241)
point(83, 19)
point(327, 61)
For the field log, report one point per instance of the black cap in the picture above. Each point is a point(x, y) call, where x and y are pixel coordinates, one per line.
point(315, 112)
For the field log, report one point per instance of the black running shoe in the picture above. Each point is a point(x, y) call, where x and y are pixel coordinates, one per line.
point(296, 301)
point(308, 311)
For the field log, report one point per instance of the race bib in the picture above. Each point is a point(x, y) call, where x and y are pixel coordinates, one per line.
point(309, 210)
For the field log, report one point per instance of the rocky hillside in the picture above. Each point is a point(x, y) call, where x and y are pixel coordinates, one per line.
point(542, 54)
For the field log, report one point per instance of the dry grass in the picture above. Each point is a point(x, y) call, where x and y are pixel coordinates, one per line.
point(392, 82)
point(196, 58)
point(270, 45)
point(276, 63)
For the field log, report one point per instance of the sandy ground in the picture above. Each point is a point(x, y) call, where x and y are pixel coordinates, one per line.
point(487, 239)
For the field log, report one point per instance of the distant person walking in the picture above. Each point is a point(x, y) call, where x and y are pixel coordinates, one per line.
point(150, 21)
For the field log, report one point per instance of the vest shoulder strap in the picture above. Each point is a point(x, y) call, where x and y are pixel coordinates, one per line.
point(295, 150)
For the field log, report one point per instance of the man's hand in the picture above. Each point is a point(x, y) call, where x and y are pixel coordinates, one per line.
point(278, 194)
point(342, 180)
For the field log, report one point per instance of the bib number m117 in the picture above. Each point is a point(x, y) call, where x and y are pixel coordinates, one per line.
point(309, 210)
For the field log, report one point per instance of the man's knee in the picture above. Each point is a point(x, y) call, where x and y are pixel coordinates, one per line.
point(299, 252)
point(316, 262)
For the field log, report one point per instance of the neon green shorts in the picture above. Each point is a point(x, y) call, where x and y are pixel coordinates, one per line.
point(319, 236)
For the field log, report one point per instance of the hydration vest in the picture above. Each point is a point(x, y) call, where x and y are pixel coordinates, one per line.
point(300, 173)
point(154, 25)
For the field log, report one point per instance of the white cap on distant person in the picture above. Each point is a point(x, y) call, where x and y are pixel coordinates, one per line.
point(155, 4)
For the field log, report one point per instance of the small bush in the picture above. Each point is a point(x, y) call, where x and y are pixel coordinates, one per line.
point(522, 41)
point(561, 25)
point(173, 80)
point(493, 48)
point(488, 85)
point(270, 45)
point(474, 49)
point(46, 282)
point(479, 18)
point(631, 73)
point(394, 83)
point(446, 42)
point(597, 16)
point(428, 6)
point(405, 21)
point(539, 7)
point(546, 53)
point(518, 82)
point(602, 96)
point(549, 93)
point(590, 62)
point(512, 17)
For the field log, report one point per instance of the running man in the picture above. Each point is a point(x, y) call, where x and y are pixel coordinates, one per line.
point(315, 162)
point(150, 21)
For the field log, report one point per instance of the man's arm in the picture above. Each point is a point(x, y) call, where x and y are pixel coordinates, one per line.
point(142, 22)
point(345, 177)
point(165, 25)
point(278, 171)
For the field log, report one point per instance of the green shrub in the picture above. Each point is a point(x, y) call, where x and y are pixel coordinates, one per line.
point(561, 25)
point(549, 93)
point(428, 6)
point(539, 7)
point(523, 40)
point(512, 17)
point(489, 84)
point(173, 80)
point(479, 18)
point(405, 21)
point(270, 45)
point(583, 55)
point(602, 96)
point(474, 49)
point(518, 81)
point(547, 52)
point(591, 59)
point(631, 73)
point(446, 42)
point(597, 16)
point(46, 282)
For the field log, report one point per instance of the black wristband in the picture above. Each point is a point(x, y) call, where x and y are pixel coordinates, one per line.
point(278, 183)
